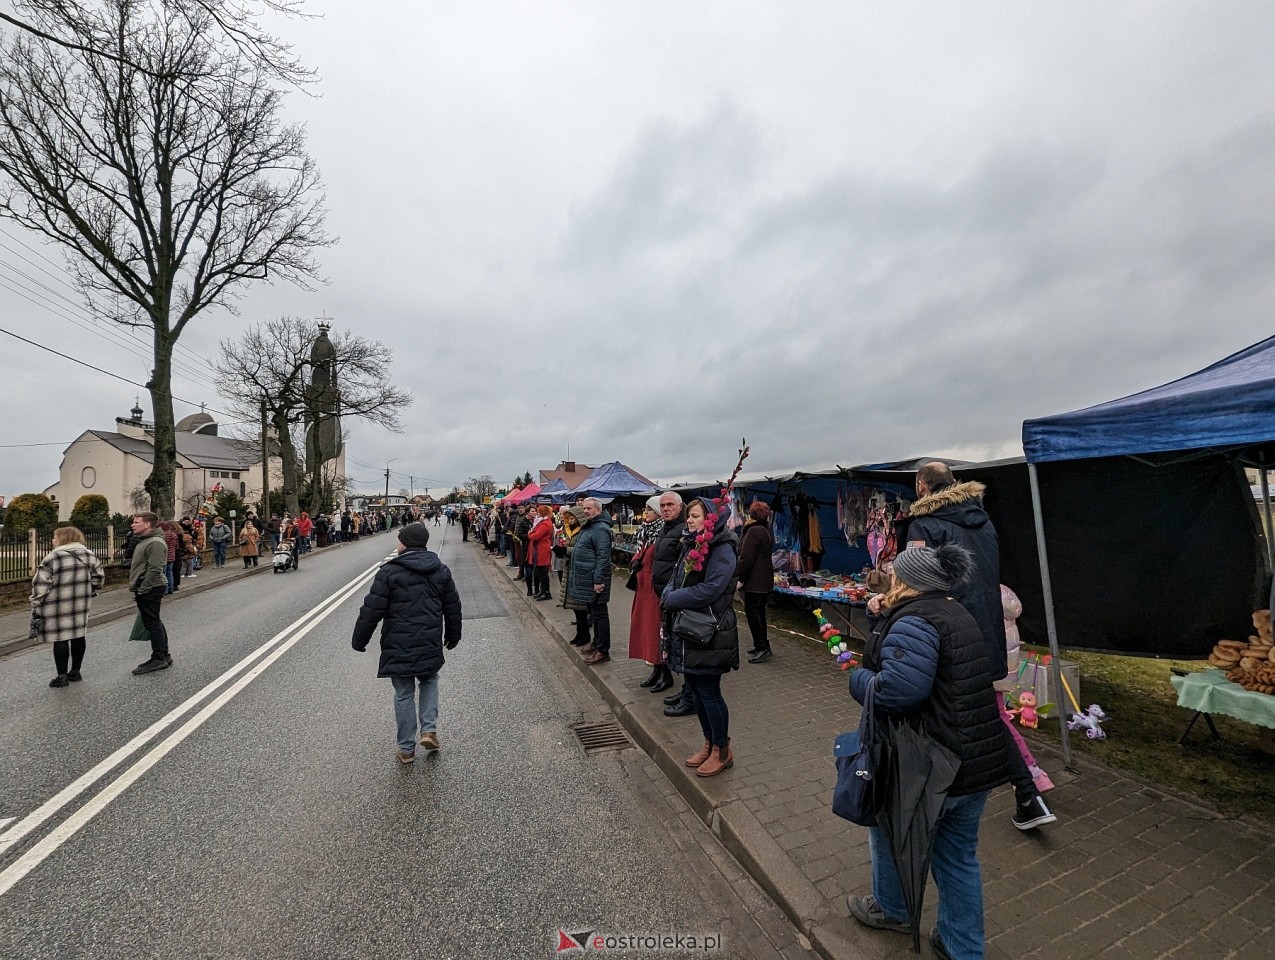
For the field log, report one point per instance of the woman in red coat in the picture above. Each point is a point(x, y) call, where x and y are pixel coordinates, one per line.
point(540, 552)
point(644, 621)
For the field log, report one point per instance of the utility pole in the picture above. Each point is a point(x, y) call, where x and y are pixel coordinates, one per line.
point(265, 463)
point(387, 486)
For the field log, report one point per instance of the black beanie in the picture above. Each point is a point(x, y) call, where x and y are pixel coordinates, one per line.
point(414, 536)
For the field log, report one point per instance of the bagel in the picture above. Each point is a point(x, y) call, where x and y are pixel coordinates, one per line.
point(1227, 653)
point(1235, 643)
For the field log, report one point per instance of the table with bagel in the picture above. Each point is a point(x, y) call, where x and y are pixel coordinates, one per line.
point(1240, 685)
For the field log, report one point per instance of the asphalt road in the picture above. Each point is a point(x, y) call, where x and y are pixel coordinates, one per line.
point(247, 803)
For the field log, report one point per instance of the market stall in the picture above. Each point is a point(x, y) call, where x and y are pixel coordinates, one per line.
point(1221, 414)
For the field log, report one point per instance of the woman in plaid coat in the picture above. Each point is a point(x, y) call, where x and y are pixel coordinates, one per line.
point(61, 591)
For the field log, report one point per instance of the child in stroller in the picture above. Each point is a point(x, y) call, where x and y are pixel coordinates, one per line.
point(285, 556)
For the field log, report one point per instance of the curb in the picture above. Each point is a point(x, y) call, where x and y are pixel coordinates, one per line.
point(735, 827)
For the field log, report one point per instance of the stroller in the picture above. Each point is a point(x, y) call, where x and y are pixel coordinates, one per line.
point(285, 556)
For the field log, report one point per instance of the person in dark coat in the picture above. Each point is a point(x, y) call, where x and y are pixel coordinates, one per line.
point(664, 559)
point(589, 578)
point(414, 599)
point(756, 576)
point(926, 661)
point(951, 512)
point(705, 583)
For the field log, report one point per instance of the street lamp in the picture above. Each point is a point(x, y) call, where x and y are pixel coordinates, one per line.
point(387, 481)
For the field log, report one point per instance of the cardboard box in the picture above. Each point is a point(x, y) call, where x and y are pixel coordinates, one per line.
point(1039, 679)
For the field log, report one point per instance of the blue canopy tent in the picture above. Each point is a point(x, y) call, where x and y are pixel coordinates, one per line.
point(1200, 427)
point(555, 491)
point(613, 480)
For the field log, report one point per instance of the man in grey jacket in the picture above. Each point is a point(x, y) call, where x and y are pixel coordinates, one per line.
point(149, 584)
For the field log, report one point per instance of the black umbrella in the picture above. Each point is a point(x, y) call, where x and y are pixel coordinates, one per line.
point(913, 776)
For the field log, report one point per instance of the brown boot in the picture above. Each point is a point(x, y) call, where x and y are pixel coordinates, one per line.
point(700, 755)
point(718, 760)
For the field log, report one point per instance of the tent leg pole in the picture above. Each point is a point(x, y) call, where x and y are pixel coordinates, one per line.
point(1266, 506)
point(1050, 625)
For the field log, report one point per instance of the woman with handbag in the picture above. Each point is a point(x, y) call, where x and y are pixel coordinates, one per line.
point(62, 590)
point(699, 615)
point(249, 544)
point(644, 618)
point(926, 664)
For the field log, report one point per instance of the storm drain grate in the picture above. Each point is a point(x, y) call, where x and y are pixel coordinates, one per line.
point(603, 735)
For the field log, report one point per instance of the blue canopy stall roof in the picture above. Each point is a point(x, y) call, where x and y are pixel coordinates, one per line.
point(1226, 405)
point(555, 491)
point(613, 480)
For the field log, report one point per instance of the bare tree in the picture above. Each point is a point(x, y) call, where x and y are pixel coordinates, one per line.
point(166, 174)
point(66, 23)
point(271, 362)
point(479, 488)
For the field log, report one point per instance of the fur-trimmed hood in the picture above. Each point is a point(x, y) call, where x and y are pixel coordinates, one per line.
point(957, 493)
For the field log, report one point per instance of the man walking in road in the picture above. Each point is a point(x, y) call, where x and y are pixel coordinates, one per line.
point(949, 512)
point(149, 583)
point(415, 600)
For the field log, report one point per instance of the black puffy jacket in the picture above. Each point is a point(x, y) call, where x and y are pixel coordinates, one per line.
point(668, 551)
point(955, 514)
point(415, 600)
point(926, 659)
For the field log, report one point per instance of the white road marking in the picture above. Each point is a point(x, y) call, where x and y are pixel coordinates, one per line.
point(33, 820)
point(5, 822)
point(72, 824)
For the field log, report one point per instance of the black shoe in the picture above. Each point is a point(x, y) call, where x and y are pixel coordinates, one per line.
point(664, 682)
point(74, 676)
point(650, 681)
point(168, 659)
point(1032, 814)
point(751, 651)
point(61, 680)
point(761, 656)
point(544, 596)
point(579, 641)
point(683, 709)
point(150, 666)
point(676, 698)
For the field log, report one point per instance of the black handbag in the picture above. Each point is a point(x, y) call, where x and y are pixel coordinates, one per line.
point(853, 798)
point(695, 626)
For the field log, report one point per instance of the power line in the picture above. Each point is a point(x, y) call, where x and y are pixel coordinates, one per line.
point(108, 373)
point(75, 304)
point(181, 368)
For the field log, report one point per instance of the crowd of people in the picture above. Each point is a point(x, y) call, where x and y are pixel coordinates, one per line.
point(936, 648)
point(667, 576)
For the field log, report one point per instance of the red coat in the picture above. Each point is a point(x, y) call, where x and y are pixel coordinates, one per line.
point(644, 621)
point(539, 543)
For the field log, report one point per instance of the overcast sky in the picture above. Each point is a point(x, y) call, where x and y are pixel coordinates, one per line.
point(850, 232)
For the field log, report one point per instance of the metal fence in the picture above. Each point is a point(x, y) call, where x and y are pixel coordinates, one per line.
point(21, 552)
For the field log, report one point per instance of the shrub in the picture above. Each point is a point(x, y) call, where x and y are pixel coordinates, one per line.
point(29, 510)
point(91, 513)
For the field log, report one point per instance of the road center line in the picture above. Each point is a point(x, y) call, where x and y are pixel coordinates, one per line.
point(72, 824)
point(33, 820)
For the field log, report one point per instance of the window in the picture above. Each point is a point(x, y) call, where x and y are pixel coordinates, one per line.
point(235, 475)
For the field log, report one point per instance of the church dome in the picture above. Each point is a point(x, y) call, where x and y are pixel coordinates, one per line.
point(197, 423)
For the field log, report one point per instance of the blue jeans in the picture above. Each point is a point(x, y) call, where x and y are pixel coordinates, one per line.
point(410, 718)
point(714, 716)
point(168, 572)
point(956, 874)
point(219, 554)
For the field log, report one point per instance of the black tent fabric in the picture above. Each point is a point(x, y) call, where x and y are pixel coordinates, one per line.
point(1146, 560)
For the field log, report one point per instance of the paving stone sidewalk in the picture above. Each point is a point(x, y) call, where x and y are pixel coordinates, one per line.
point(1130, 872)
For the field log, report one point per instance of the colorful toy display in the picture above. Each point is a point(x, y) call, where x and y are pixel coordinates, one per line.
point(846, 658)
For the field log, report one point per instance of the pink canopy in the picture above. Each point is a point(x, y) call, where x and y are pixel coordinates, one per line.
point(526, 493)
